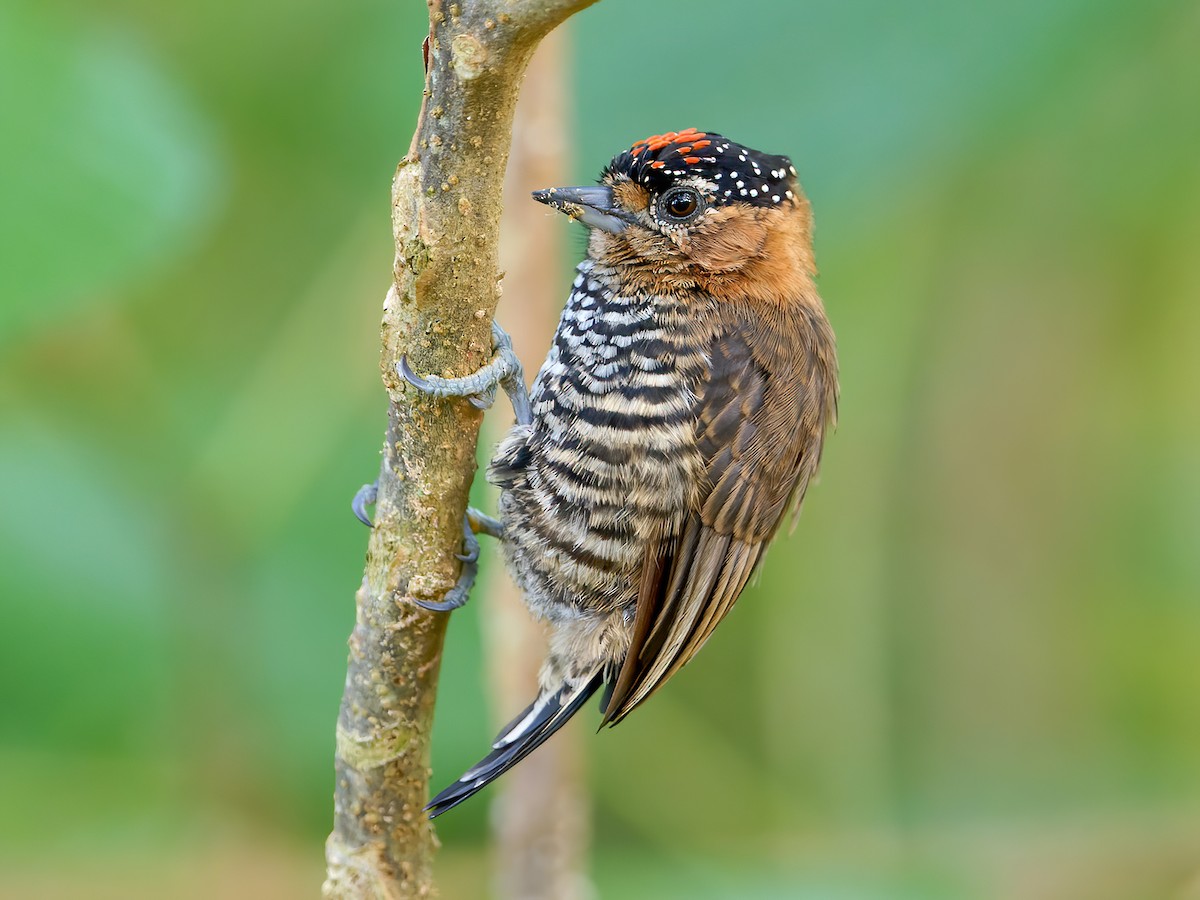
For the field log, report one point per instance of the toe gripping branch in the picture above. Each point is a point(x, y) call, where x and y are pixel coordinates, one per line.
point(480, 387)
point(366, 496)
point(474, 522)
point(457, 595)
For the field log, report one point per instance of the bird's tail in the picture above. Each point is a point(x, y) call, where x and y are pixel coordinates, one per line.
point(518, 739)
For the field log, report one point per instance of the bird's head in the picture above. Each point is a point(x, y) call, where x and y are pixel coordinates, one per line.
point(687, 210)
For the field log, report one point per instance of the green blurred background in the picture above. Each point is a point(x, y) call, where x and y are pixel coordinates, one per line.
point(972, 672)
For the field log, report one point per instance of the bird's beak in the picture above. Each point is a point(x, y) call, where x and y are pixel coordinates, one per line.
point(593, 206)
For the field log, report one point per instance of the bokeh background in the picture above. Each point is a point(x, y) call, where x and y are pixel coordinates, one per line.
point(972, 672)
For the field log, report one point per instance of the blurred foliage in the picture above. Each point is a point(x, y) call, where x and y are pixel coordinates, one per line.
point(970, 673)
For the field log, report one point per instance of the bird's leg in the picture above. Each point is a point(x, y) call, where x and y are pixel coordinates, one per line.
point(478, 521)
point(457, 595)
point(480, 387)
point(474, 522)
point(482, 523)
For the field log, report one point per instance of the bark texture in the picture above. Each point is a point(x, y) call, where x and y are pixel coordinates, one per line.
point(540, 816)
point(446, 200)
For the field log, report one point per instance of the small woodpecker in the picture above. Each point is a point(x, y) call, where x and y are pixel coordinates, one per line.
point(678, 418)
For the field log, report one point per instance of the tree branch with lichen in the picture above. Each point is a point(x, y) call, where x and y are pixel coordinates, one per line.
point(446, 200)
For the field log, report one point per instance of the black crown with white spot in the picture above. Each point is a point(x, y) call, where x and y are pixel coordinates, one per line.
point(739, 174)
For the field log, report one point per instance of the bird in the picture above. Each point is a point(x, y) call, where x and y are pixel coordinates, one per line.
point(677, 421)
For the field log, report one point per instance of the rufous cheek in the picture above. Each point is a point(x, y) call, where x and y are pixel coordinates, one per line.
point(727, 240)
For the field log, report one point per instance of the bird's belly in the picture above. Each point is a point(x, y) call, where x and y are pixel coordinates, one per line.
point(611, 463)
point(577, 524)
point(611, 467)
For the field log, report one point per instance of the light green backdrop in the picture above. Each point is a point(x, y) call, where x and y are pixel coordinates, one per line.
point(972, 672)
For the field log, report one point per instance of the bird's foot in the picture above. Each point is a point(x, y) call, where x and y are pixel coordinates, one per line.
point(366, 496)
point(480, 387)
point(482, 523)
point(478, 521)
point(457, 595)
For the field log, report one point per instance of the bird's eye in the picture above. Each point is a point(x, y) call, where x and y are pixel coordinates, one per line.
point(680, 204)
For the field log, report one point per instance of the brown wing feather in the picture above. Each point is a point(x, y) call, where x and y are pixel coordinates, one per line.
point(762, 414)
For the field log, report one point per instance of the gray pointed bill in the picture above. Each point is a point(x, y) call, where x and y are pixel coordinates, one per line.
point(593, 206)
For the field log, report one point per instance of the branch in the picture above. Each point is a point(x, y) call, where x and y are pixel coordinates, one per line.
point(446, 199)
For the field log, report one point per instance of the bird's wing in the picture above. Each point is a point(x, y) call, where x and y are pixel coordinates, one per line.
point(762, 412)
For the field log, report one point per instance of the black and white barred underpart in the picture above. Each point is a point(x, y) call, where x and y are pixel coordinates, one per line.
point(611, 459)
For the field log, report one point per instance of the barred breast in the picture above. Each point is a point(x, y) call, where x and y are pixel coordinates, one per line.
point(610, 462)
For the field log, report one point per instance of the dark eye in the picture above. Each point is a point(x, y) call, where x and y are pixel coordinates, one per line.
point(680, 204)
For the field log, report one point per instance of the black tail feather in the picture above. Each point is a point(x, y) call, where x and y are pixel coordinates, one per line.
point(517, 740)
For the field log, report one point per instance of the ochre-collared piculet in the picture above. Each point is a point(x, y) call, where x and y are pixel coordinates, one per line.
point(677, 420)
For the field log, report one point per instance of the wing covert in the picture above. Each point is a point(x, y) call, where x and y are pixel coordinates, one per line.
point(761, 412)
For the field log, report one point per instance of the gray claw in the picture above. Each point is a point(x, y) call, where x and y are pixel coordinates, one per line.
point(412, 377)
point(457, 595)
point(471, 545)
point(366, 496)
point(456, 598)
